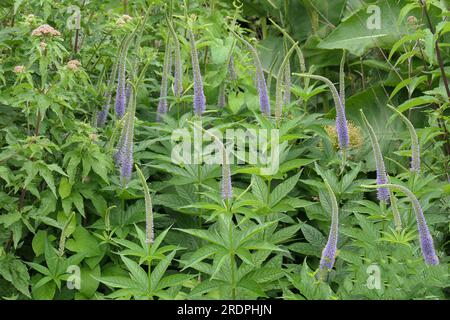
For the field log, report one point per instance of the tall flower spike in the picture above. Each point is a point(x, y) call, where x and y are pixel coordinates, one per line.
point(279, 87)
point(124, 155)
point(342, 79)
point(127, 93)
point(329, 252)
point(149, 231)
point(121, 83)
point(383, 193)
point(221, 100)
point(341, 121)
point(231, 69)
point(103, 114)
point(162, 104)
point(415, 147)
point(426, 241)
point(287, 84)
point(227, 189)
point(178, 72)
point(199, 95)
point(264, 102)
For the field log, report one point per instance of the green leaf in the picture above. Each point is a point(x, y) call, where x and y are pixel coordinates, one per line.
point(65, 188)
point(354, 35)
point(313, 236)
point(16, 272)
point(159, 271)
point(283, 189)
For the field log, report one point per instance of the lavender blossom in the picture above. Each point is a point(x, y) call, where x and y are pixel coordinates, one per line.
point(264, 102)
point(415, 147)
point(426, 241)
point(163, 105)
point(329, 252)
point(121, 91)
point(124, 154)
point(383, 193)
point(279, 100)
point(341, 121)
point(178, 72)
point(103, 114)
point(199, 95)
point(127, 93)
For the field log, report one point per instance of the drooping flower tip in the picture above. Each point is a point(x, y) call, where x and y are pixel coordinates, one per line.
point(45, 30)
point(199, 95)
point(354, 134)
point(328, 256)
point(121, 96)
point(341, 128)
point(102, 115)
point(426, 243)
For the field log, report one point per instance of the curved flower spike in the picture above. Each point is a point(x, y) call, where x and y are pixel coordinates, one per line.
point(383, 193)
point(329, 252)
point(415, 147)
point(426, 241)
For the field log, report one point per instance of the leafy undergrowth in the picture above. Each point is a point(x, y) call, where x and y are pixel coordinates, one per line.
point(98, 200)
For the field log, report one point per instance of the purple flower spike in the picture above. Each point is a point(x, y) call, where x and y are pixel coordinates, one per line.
point(341, 121)
point(103, 114)
point(199, 95)
point(178, 72)
point(415, 146)
point(264, 101)
point(124, 154)
point(163, 105)
point(121, 98)
point(341, 126)
point(426, 241)
point(383, 193)
point(329, 252)
point(227, 188)
point(127, 93)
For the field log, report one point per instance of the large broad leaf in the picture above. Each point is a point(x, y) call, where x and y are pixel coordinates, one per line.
point(373, 102)
point(359, 32)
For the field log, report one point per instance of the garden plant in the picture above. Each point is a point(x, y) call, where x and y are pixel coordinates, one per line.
point(220, 149)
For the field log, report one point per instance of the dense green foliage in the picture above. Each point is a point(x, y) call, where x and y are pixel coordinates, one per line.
point(66, 212)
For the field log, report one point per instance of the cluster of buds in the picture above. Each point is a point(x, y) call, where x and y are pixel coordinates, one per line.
point(30, 19)
point(412, 21)
point(45, 30)
point(123, 20)
point(43, 45)
point(354, 133)
point(74, 65)
point(19, 69)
